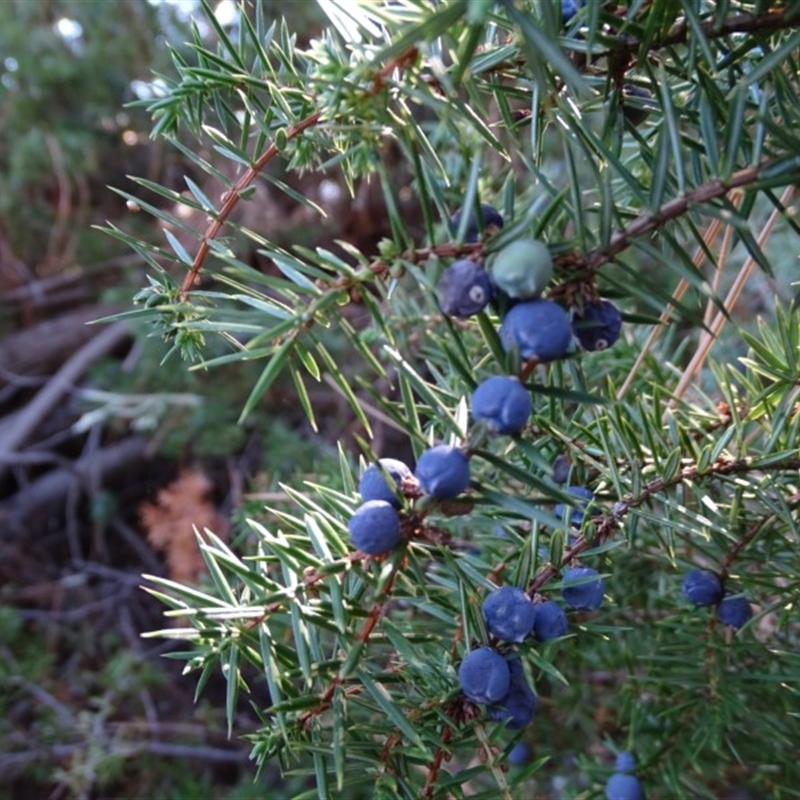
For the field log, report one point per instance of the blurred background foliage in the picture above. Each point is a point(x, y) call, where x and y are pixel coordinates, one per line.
point(86, 709)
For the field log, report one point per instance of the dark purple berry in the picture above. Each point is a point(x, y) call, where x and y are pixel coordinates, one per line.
point(373, 484)
point(539, 329)
point(622, 786)
point(635, 113)
point(484, 676)
point(734, 610)
point(509, 613)
point(375, 527)
point(587, 591)
point(569, 8)
point(519, 754)
point(518, 706)
point(585, 497)
point(443, 472)
point(702, 587)
point(560, 469)
point(550, 621)
point(489, 220)
point(503, 403)
point(464, 289)
point(625, 762)
point(598, 326)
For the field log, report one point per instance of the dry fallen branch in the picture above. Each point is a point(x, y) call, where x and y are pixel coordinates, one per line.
point(52, 392)
point(39, 349)
point(30, 508)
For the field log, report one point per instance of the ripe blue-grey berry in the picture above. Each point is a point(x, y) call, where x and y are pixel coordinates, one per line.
point(625, 762)
point(490, 220)
point(702, 587)
point(519, 754)
point(585, 595)
point(598, 326)
point(509, 613)
point(550, 621)
point(373, 484)
point(443, 472)
point(560, 469)
point(569, 8)
point(375, 527)
point(484, 676)
point(634, 112)
point(539, 329)
point(518, 706)
point(734, 610)
point(503, 403)
point(585, 497)
point(464, 289)
point(622, 786)
point(522, 269)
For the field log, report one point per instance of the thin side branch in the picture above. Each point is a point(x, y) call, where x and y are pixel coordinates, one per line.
point(672, 209)
point(735, 23)
point(436, 764)
point(376, 612)
point(232, 198)
point(606, 524)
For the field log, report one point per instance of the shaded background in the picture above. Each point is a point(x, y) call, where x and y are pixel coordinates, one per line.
point(106, 458)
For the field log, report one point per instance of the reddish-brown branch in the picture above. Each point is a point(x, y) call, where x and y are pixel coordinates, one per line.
point(438, 757)
point(232, 198)
point(649, 222)
point(363, 636)
point(606, 524)
point(748, 537)
point(592, 261)
point(736, 23)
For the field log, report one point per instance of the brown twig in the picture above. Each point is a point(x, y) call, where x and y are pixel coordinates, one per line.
point(672, 209)
point(33, 507)
point(592, 261)
point(606, 524)
point(232, 198)
point(720, 467)
point(748, 537)
point(370, 622)
point(736, 23)
point(52, 392)
point(436, 764)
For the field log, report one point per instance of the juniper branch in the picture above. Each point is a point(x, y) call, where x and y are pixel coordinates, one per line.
point(720, 467)
point(672, 209)
point(735, 23)
point(748, 537)
point(607, 523)
point(233, 196)
point(363, 637)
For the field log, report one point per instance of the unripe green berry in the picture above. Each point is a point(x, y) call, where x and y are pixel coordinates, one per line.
point(523, 269)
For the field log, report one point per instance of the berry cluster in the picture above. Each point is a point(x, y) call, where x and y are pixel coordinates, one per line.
point(492, 674)
point(487, 677)
point(704, 588)
point(540, 330)
point(442, 472)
